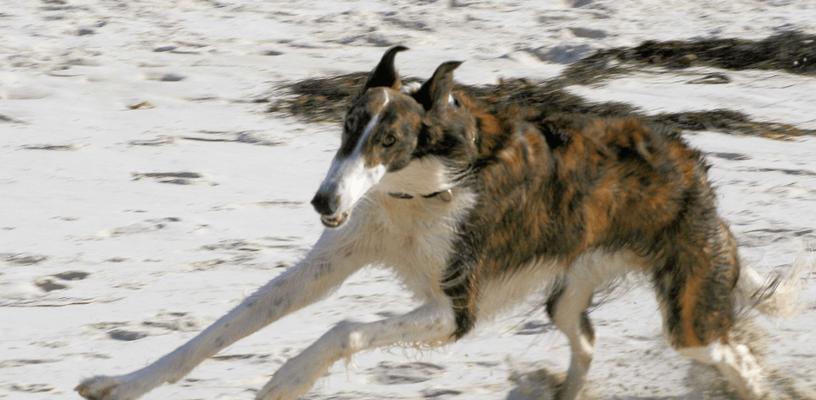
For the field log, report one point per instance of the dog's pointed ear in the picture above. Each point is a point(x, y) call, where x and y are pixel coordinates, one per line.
point(385, 74)
point(436, 91)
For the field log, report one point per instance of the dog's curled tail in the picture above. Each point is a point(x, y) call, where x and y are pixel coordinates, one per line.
point(776, 295)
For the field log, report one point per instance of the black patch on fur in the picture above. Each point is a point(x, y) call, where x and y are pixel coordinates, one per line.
point(554, 135)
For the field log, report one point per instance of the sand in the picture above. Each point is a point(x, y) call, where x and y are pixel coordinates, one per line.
point(146, 190)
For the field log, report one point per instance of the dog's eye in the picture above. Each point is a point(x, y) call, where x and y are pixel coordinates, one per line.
point(453, 101)
point(388, 141)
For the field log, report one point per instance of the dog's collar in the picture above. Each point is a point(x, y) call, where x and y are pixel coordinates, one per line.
point(444, 195)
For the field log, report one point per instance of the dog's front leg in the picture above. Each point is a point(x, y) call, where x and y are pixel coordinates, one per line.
point(330, 262)
point(431, 324)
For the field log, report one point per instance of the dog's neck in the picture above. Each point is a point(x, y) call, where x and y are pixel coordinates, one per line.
point(427, 177)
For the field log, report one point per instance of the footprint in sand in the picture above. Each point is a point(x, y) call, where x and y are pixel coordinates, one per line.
point(48, 284)
point(157, 141)
point(164, 76)
point(176, 178)
point(440, 393)
point(388, 373)
point(22, 258)
point(72, 275)
point(588, 33)
point(31, 388)
point(786, 171)
point(248, 137)
point(352, 395)
point(52, 283)
point(159, 324)
point(162, 49)
point(51, 147)
point(149, 225)
point(126, 335)
point(174, 321)
point(729, 156)
point(6, 118)
point(761, 237)
point(104, 326)
point(237, 259)
point(534, 328)
point(235, 245)
point(205, 265)
point(541, 384)
point(21, 362)
point(251, 358)
point(140, 105)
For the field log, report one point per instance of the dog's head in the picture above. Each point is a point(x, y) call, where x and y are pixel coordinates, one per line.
point(388, 131)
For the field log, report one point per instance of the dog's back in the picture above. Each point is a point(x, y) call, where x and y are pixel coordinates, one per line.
point(560, 187)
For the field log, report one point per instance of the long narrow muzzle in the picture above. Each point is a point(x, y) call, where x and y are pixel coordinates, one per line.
point(347, 181)
point(349, 178)
point(325, 202)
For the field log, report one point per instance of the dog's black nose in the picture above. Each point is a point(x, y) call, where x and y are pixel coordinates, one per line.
point(325, 203)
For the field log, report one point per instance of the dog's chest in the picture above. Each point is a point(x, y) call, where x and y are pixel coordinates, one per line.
point(417, 238)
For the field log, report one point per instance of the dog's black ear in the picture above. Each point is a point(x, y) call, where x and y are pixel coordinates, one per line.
point(385, 74)
point(436, 91)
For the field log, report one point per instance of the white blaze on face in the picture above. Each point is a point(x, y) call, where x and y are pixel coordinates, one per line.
point(348, 177)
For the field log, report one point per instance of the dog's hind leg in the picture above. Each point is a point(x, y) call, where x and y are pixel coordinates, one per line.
point(567, 307)
point(695, 287)
point(330, 262)
point(736, 363)
point(431, 324)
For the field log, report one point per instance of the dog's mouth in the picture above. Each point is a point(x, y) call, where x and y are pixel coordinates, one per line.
point(333, 221)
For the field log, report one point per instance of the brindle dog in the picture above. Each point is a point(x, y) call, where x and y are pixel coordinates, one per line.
point(473, 210)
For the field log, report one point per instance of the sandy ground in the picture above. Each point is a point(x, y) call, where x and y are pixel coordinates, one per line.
point(144, 191)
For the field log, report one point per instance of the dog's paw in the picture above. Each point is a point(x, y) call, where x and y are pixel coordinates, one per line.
point(104, 388)
point(276, 393)
point(284, 387)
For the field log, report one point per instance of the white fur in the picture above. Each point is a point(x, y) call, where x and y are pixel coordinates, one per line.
point(737, 365)
point(781, 299)
point(410, 87)
point(421, 176)
point(500, 294)
point(581, 278)
point(421, 234)
point(588, 272)
point(430, 324)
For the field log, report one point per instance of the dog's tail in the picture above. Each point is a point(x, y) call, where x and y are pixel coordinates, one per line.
point(775, 295)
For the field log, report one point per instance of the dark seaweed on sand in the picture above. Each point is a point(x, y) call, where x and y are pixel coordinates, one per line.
point(327, 99)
